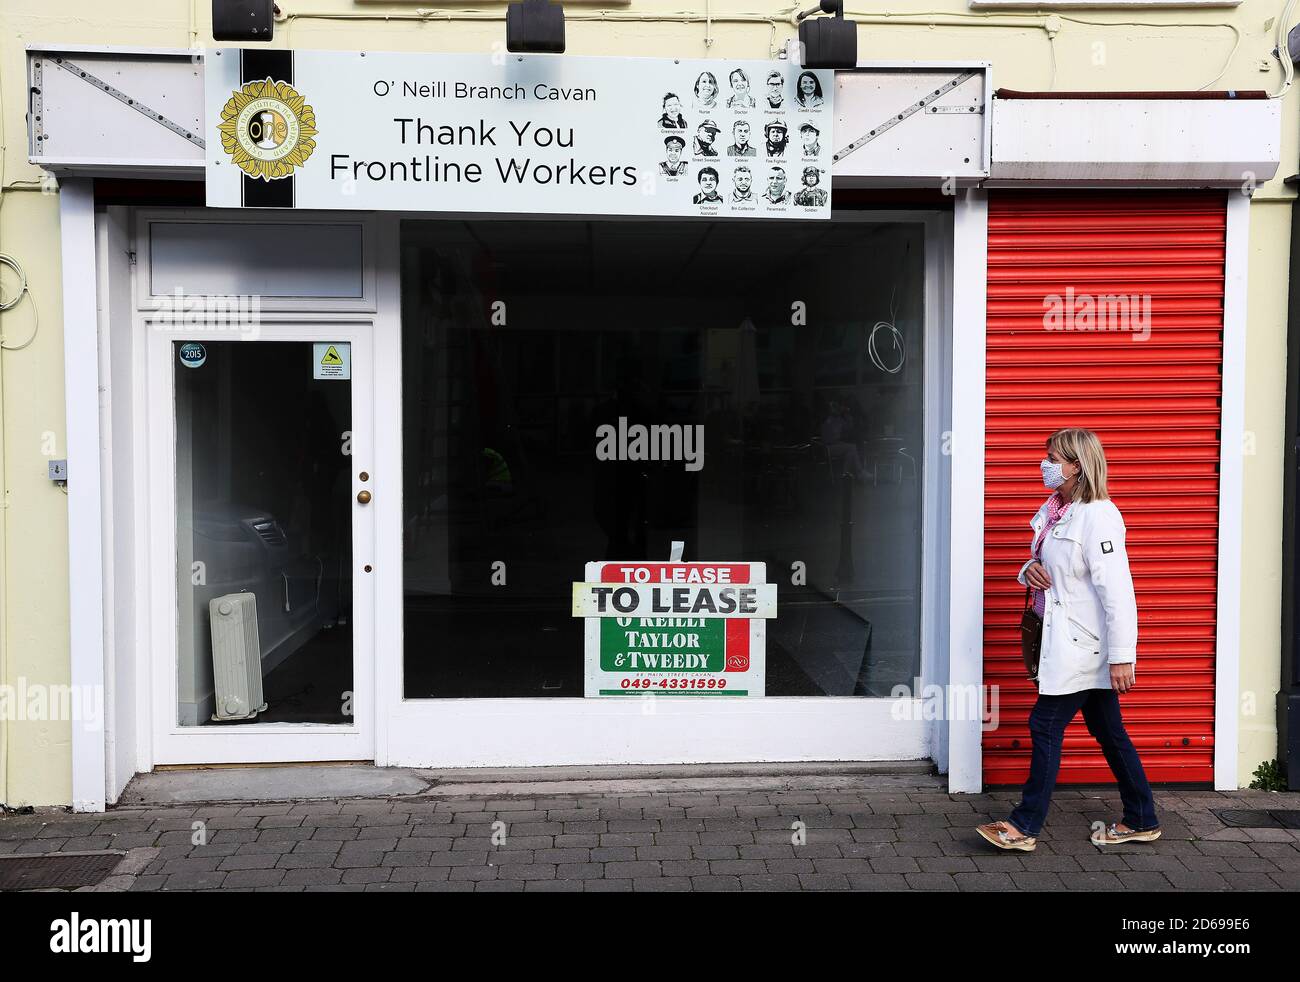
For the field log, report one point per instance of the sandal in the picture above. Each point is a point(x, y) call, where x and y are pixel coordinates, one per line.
point(1113, 836)
point(1000, 835)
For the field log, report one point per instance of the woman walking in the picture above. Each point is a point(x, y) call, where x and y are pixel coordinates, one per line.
point(1083, 591)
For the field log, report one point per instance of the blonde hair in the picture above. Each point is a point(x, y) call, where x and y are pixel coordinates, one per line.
point(1083, 447)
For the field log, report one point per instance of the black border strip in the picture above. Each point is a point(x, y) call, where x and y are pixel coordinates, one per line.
point(255, 65)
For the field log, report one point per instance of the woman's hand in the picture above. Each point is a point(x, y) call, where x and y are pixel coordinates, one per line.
point(1038, 577)
point(1122, 677)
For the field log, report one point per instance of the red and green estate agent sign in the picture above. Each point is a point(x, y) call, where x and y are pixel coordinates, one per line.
point(675, 629)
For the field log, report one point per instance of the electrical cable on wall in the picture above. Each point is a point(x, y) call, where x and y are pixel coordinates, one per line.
point(1281, 49)
point(927, 19)
point(895, 335)
point(8, 304)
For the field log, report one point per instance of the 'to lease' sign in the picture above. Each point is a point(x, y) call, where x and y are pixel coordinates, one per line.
point(681, 629)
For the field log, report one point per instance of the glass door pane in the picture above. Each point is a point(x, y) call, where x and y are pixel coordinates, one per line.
point(264, 532)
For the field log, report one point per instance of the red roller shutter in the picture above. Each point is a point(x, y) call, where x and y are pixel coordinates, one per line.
point(1155, 404)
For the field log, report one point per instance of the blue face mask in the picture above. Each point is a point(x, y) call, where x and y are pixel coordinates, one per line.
point(1053, 477)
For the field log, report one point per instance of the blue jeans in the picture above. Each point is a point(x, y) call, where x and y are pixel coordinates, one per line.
point(1047, 723)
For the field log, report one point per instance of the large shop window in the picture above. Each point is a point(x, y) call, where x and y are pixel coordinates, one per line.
point(794, 348)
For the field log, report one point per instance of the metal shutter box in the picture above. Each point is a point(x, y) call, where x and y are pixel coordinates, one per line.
point(1155, 404)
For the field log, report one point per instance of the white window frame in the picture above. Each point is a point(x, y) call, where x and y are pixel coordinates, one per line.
point(541, 731)
point(253, 742)
point(160, 740)
point(146, 300)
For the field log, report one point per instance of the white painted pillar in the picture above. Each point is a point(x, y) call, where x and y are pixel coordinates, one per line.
point(966, 544)
point(1232, 431)
point(85, 514)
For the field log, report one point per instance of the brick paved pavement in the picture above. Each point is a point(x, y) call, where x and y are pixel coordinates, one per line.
point(891, 834)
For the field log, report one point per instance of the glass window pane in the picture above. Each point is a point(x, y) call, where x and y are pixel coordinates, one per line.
point(255, 259)
point(795, 347)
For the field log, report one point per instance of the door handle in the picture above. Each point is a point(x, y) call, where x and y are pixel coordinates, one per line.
point(363, 497)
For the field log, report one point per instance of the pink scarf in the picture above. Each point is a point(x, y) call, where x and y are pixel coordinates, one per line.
point(1056, 507)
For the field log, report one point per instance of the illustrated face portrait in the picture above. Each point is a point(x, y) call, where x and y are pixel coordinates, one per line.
point(810, 178)
point(739, 83)
point(809, 137)
point(673, 106)
point(705, 134)
point(674, 152)
point(774, 88)
point(741, 130)
point(743, 179)
point(776, 183)
point(705, 87)
point(777, 137)
point(708, 182)
point(807, 85)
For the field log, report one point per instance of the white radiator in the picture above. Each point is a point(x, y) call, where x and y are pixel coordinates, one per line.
point(236, 657)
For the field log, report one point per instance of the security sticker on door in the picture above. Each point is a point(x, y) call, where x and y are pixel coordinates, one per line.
point(677, 629)
point(331, 360)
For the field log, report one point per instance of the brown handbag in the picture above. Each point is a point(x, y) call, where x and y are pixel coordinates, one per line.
point(1031, 636)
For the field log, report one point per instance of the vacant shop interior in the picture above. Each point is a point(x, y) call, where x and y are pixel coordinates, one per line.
point(797, 347)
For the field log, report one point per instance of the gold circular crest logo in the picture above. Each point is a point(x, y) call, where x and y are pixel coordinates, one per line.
point(267, 129)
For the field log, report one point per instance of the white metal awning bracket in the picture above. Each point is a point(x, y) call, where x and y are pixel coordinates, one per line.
point(122, 97)
point(911, 109)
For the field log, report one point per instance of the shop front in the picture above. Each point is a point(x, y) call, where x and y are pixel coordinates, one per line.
point(678, 436)
point(562, 392)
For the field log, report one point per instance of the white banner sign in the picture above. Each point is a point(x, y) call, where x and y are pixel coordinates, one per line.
point(536, 134)
point(660, 599)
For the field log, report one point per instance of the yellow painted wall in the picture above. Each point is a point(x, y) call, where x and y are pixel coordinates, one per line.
point(35, 756)
point(1261, 566)
point(1075, 50)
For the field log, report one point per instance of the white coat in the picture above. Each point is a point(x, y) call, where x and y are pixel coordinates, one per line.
point(1089, 612)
